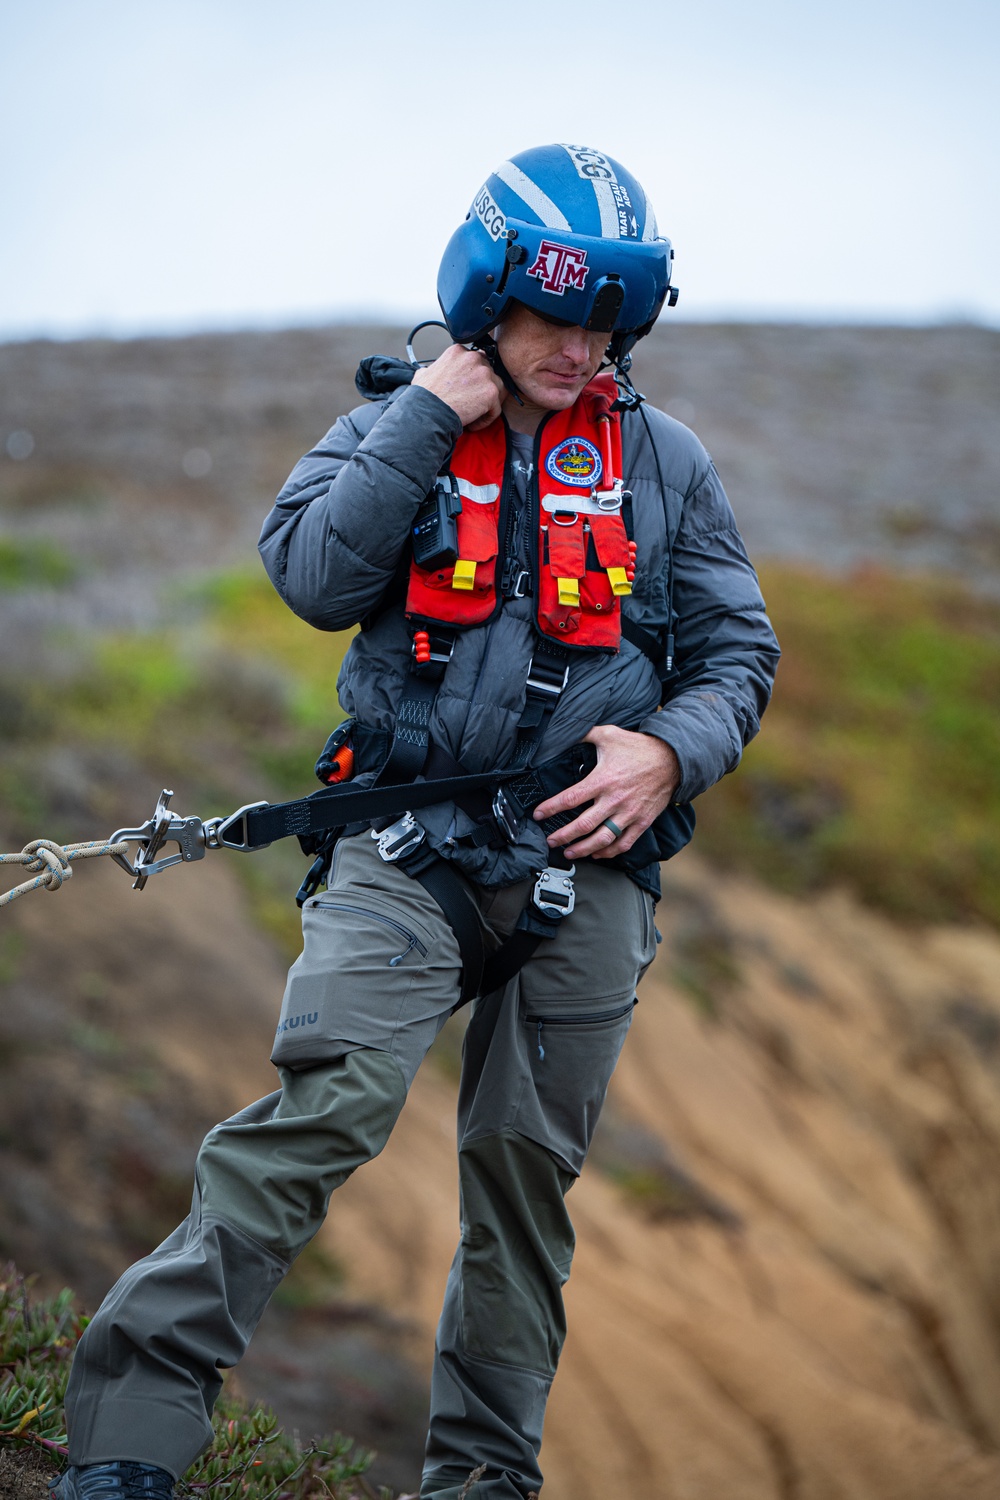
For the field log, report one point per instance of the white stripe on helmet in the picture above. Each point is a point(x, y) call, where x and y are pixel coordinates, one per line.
point(612, 202)
point(604, 193)
point(540, 203)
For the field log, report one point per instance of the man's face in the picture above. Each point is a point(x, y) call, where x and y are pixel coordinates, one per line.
point(549, 365)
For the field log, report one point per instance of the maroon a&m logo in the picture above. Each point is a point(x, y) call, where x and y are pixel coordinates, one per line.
point(559, 266)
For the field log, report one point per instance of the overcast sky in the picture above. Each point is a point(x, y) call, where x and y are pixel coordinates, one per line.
point(233, 163)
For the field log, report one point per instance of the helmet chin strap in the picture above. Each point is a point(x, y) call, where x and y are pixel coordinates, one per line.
point(487, 344)
point(629, 399)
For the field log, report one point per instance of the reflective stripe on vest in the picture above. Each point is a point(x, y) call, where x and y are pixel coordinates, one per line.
point(583, 563)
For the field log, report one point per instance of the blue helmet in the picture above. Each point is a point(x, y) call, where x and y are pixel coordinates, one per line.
point(569, 233)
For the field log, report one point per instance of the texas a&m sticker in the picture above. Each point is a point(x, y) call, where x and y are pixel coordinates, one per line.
point(559, 266)
point(575, 461)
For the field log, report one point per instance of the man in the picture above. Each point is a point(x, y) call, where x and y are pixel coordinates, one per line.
point(551, 586)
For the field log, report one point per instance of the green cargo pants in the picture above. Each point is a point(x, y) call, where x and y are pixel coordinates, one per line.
point(377, 979)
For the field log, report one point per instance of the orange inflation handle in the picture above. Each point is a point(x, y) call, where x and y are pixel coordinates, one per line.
point(343, 766)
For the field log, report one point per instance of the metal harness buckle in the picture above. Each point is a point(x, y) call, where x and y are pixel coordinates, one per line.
point(544, 677)
point(504, 816)
point(553, 894)
point(399, 839)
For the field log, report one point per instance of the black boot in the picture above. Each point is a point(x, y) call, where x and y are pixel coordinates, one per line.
point(113, 1481)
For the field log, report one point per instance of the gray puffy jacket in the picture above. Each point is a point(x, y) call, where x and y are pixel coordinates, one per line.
point(332, 543)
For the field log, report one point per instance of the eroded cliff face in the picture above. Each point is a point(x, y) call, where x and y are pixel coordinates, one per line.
point(787, 1282)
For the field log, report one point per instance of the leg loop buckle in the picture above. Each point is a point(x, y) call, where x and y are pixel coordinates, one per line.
point(399, 839)
point(553, 894)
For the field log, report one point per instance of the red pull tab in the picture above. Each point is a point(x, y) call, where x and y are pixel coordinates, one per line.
point(608, 479)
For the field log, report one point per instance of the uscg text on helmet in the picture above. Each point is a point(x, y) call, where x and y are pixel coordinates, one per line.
point(489, 213)
point(591, 163)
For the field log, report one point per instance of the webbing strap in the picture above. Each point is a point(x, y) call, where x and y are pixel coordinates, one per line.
point(481, 975)
point(412, 734)
point(515, 950)
point(335, 807)
point(452, 895)
point(547, 676)
point(649, 644)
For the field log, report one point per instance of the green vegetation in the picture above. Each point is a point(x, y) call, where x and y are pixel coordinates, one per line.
point(879, 763)
point(250, 619)
point(32, 563)
point(250, 1457)
point(231, 707)
point(661, 1194)
point(878, 766)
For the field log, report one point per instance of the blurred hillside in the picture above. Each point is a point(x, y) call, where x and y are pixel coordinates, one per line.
point(155, 457)
point(796, 1168)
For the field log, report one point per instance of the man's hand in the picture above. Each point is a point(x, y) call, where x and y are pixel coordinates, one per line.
point(463, 379)
point(635, 777)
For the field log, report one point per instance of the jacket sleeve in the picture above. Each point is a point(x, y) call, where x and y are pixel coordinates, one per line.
point(726, 652)
point(334, 537)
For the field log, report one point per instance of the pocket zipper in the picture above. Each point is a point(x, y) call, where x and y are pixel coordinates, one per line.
point(412, 941)
point(592, 1018)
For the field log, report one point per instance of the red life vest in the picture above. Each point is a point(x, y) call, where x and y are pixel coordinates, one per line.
point(584, 560)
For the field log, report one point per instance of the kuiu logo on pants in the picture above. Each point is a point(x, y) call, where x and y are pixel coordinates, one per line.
point(291, 1022)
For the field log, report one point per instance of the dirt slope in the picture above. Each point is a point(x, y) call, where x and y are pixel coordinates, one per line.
point(128, 1024)
point(798, 1298)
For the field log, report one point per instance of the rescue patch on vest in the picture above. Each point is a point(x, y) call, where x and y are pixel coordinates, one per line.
point(575, 461)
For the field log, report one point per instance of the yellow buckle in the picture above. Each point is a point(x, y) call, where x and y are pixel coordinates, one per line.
point(618, 579)
point(569, 590)
point(465, 574)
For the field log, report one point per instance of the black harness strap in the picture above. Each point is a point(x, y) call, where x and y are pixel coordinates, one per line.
point(412, 736)
point(476, 805)
point(452, 894)
point(404, 843)
point(337, 806)
point(512, 954)
point(649, 644)
point(547, 676)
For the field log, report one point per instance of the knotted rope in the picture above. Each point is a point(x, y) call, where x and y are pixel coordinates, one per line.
point(53, 861)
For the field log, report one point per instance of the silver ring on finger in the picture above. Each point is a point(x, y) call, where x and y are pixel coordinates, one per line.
point(610, 823)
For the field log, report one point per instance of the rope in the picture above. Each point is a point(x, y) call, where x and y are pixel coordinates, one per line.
point(53, 861)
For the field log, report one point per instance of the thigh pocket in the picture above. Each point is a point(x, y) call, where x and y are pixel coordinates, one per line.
point(349, 986)
point(388, 931)
point(572, 1053)
point(581, 1028)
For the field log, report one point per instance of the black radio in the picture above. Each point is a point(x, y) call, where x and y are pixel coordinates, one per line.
point(435, 528)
